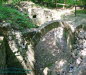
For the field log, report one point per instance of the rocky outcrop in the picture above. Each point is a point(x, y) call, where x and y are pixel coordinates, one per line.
point(54, 55)
point(18, 54)
point(41, 15)
point(55, 48)
point(20, 47)
point(51, 49)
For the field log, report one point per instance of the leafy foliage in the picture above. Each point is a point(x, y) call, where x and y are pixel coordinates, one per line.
point(60, 3)
point(83, 2)
point(81, 11)
point(15, 17)
point(50, 3)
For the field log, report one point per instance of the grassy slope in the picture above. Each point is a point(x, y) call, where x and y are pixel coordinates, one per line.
point(15, 17)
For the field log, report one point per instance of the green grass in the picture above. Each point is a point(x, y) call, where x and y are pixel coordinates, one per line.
point(81, 11)
point(15, 17)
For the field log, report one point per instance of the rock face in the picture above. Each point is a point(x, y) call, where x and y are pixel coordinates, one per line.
point(23, 52)
point(40, 15)
point(79, 52)
point(18, 54)
point(54, 56)
point(51, 49)
point(47, 50)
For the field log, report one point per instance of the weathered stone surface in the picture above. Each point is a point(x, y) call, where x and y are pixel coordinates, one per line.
point(22, 51)
point(52, 52)
point(80, 54)
point(48, 47)
point(41, 15)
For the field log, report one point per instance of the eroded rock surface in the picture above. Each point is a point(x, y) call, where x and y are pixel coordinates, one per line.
point(51, 49)
point(41, 15)
point(52, 52)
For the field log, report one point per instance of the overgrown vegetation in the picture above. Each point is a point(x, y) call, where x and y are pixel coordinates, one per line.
point(81, 11)
point(60, 3)
point(50, 3)
point(15, 17)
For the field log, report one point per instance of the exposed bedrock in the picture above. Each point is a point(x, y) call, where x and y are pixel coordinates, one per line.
point(51, 49)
